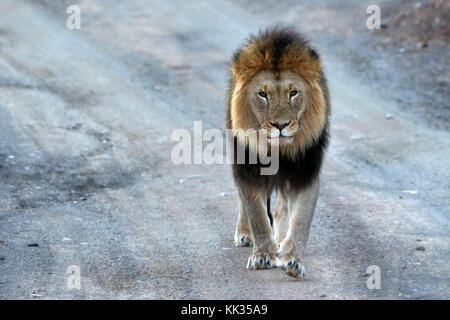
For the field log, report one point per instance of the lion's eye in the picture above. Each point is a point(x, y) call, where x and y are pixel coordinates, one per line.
point(262, 94)
point(293, 93)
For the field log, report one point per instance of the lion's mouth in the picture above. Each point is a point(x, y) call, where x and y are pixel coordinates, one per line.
point(281, 141)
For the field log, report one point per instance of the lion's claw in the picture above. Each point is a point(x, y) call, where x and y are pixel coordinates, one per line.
point(261, 261)
point(293, 267)
point(243, 240)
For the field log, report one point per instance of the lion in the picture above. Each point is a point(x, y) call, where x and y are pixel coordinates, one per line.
point(277, 84)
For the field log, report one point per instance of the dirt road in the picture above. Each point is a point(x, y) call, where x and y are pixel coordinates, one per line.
point(87, 180)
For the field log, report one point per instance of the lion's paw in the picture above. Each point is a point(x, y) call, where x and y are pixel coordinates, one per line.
point(293, 267)
point(261, 261)
point(243, 240)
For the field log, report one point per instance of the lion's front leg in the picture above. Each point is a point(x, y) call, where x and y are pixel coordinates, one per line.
point(243, 235)
point(301, 206)
point(281, 218)
point(264, 247)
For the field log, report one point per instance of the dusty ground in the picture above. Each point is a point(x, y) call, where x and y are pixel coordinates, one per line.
point(85, 123)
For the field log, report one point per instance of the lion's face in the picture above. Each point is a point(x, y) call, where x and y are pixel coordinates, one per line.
point(284, 104)
point(277, 101)
point(277, 84)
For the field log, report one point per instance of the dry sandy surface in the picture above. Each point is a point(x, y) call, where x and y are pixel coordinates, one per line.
point(86, 118)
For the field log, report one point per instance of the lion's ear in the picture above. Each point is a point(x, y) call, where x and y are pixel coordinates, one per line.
point(235, 70)
point(314, 54)
point(243, 68)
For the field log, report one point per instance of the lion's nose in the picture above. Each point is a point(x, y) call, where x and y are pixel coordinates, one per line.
point(280, 125)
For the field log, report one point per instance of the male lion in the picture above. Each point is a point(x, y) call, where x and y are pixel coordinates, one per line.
point(277, 84)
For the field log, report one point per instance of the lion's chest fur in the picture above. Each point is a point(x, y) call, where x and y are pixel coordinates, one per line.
point(295, 173)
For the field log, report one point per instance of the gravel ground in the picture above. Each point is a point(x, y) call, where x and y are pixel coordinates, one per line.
point(86, 118)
